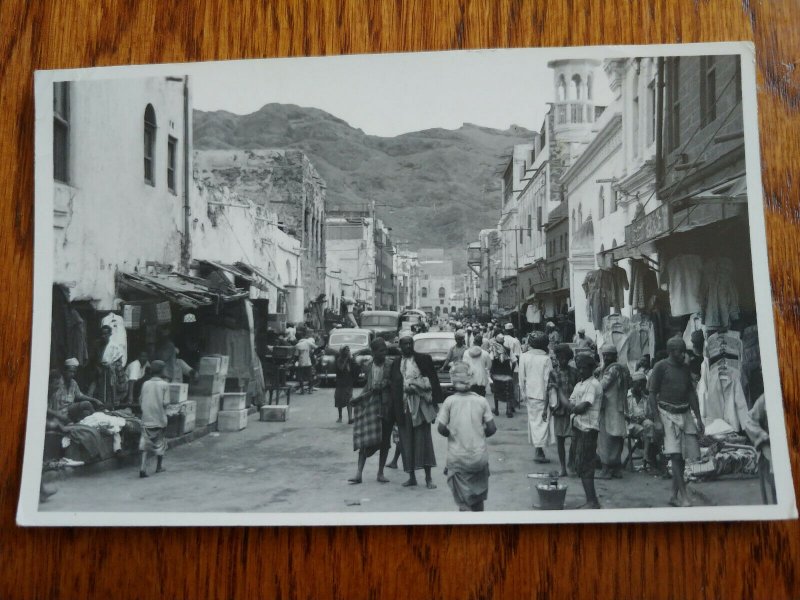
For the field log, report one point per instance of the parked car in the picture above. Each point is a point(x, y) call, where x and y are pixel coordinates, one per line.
point(358, 340)
point(382, 323)
point(437, 344)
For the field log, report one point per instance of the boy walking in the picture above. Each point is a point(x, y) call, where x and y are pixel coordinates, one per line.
point(466, 420)
point(155, 399)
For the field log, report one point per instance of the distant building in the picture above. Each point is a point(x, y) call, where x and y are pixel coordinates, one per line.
point(438, 286)
point(406, 271)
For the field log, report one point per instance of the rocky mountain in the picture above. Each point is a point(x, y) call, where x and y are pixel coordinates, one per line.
point(435, 188)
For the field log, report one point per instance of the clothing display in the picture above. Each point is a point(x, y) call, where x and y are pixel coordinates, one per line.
point(752, 383)
point(684, 274)
point(719, 298)
point(641, 340)
point(233, 343)
point(643, 286)
point(616, 329)
point(68, 331)
point(597, 287)
point(119, 337)
point(695, 324)
point(721, 395)
point(619, 283)
point(726, 345)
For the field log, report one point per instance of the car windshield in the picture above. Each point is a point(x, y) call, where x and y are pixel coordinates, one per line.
point(354, 340)
point(434, 345)
point(411, 319)
point(378, 321)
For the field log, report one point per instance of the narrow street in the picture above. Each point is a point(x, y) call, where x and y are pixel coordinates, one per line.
point(303, 465)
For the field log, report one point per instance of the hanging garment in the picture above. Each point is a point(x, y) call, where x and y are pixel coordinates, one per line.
point(616, 330)
point(725, 345)
point(719, 298)
point(723, 397)
point(644, 285)
point(695, 324)
point(119, 336)
point(597, 287)
point(641, 340)
point(684, 274)
point(619, 283)
point(751, 365)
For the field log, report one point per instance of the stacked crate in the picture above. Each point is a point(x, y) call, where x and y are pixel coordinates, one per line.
point(233, 416)
point(212, 370)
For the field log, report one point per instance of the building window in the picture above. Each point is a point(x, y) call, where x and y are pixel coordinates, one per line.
point(539, 222)
point(442, 292)
point(424, 292)
point(441, 301)
point(589, 87)
point(580, 215)
point(574, 222)
point(601, 204)
point(674, 138)
point(530, 225)
point(150, 145)
point(61, 131)
point(561, 116)
point(614, 200)
point(562, 88)
point(172, 155)
point(708, 90)
point(651, 112)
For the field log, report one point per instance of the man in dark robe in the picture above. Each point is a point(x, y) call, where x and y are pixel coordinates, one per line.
point(416, 391)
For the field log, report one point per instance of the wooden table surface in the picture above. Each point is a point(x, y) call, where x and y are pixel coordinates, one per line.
point(753, 560)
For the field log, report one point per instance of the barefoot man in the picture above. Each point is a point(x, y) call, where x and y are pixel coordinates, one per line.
point(373, 413)
point(674, 399)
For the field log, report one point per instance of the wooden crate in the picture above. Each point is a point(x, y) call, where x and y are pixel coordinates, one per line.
point(274, 413)
point(232, 420)
point(178, 392)
point(234, 401)
point(207, 409)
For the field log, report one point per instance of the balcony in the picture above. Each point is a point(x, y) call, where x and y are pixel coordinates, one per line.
point(574, 113)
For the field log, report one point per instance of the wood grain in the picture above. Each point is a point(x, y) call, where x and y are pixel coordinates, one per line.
point(752, 560)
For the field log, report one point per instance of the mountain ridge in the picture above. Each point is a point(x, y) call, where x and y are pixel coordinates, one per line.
point(433, 184)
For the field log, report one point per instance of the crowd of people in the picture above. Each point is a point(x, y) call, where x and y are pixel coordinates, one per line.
point(570, 391)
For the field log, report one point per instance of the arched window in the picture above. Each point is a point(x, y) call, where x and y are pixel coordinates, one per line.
point(601, 204)
point(561, 89)
point(444, 310)
point(424, 292)
point(150, 145)
point(572, 93)
point(580, 215)
point(574, 222)
point(442, 292)
point(289, 272)
point(588, 87)
point(576, 82)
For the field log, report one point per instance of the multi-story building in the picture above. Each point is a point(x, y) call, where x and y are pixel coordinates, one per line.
point(406, 270)
point(491, 248)
point(385, 292)
point(438, 288)
point(351, 244)
point(509, 224)
point(120, 169)
point(286, 183)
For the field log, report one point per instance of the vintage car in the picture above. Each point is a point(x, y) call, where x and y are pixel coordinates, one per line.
point(382, 323)
point(437, 344)
point(358, 340)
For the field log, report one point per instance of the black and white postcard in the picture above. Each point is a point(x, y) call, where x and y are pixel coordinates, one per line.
point(495, 286)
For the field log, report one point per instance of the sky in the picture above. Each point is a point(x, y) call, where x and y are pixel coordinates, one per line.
point(390, 94)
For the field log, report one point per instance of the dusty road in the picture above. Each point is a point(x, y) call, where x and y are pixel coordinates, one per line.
point(303, 465)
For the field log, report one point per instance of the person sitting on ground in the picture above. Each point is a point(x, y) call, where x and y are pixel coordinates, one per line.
point(585, 403)
point(65, 400)
point(466, 420)
point(155, 400)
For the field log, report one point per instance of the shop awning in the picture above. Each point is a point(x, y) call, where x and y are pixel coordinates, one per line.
point(186, 291)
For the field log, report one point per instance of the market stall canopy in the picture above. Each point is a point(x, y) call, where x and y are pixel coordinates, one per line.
point(260, 278)
point(186, 291)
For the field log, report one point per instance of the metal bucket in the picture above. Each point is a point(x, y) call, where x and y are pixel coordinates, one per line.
point(550, 494)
